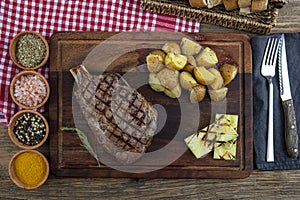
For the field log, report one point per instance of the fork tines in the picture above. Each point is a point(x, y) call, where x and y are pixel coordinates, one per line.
point(272, 51)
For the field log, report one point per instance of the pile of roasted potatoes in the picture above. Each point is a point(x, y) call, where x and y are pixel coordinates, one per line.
point(190, 66)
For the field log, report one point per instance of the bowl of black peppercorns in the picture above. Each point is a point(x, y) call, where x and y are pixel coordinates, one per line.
point(28, 129)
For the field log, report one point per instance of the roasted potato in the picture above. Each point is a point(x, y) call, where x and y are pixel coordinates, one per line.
point(189, 68)
point(175, 61)
point(213, 3)
point(230, 4)
point(244, 3)
point(171, 47)
point(259, 5)
point(218, 83)
point(218, 94)
point(189, 47)
point(228, 73)
point(207, 58)
point(174, 93)
point(203, 76)
point(197, 93)
point(155, 60)
point(198, 3)
point(155, 83)
point(191, 60)
point(190, 65)
point(168, 78)
point(187, 81)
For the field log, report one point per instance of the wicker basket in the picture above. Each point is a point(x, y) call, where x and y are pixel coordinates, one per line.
point(260, 22)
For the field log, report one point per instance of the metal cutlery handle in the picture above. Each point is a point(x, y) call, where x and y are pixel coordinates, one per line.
point(291, 135)
point(270, 142)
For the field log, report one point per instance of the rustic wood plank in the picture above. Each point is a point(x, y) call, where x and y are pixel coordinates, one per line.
point(260, 184)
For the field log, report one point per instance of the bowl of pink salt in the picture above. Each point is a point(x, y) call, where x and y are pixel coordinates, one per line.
point(29, 89)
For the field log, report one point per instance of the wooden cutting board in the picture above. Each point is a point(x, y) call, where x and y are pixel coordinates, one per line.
point(69, 49)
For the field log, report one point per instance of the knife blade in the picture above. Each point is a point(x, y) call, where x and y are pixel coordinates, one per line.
point(290, 129)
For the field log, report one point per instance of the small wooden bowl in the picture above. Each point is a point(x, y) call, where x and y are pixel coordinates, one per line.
point(24, 73)
point(13, 137)
point(14, 177)
point(13, 48)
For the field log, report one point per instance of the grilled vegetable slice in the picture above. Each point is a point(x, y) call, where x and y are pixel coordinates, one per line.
point(224, 131)
point(226, 151)
point(229, 120)
point(200, 143)
point(220, 136)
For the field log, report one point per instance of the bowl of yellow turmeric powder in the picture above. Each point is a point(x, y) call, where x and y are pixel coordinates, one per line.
point(29, 169)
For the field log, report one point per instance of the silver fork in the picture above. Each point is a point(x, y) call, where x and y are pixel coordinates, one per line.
point(268, 71)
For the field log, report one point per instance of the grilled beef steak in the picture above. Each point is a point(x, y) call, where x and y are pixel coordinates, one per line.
point(121, 119)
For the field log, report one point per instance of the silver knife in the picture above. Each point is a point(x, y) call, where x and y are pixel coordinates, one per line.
point(291, 135)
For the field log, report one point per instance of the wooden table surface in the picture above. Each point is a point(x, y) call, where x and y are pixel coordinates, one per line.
point(260, 184)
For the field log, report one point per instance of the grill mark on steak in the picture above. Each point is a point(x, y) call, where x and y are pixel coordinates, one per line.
point(121, 119)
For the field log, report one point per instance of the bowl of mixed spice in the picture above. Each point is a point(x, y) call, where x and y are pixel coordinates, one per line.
point(29, 50)
point(29, 89)
point(29, 169)
point(28, 129)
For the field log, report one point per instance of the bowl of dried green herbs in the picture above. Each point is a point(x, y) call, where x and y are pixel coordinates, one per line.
point(29, 50)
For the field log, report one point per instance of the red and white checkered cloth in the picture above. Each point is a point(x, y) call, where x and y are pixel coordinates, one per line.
point(49, 16)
